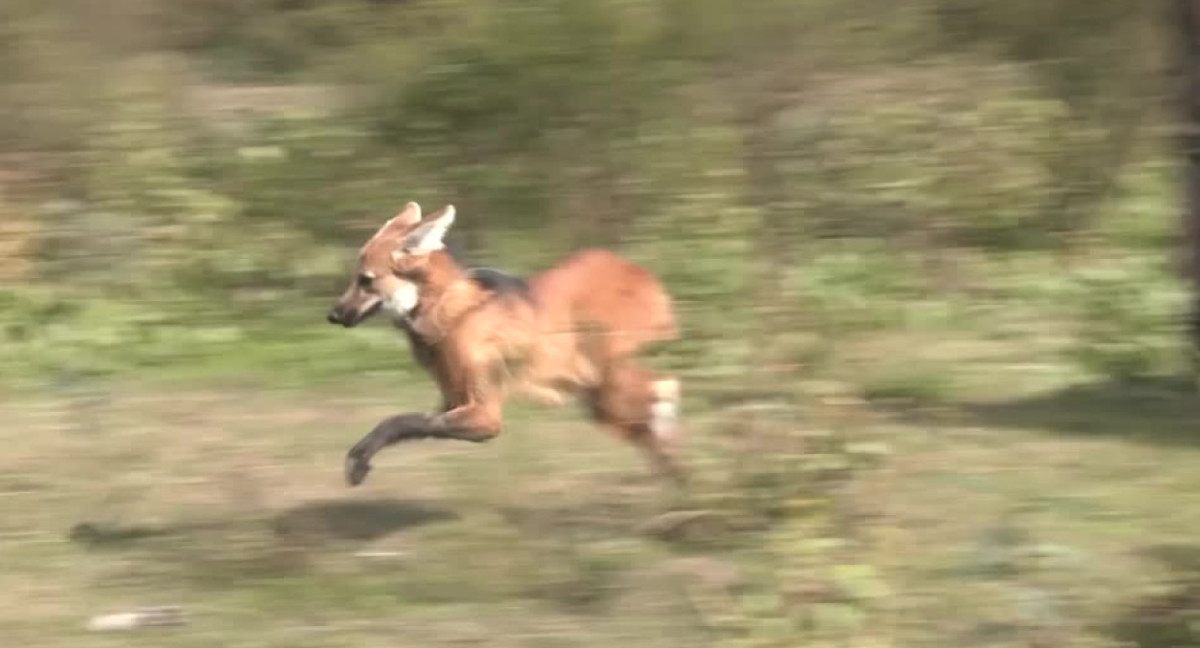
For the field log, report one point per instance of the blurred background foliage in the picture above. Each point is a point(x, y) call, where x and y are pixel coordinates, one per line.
point(861, 207)
point(213, 162)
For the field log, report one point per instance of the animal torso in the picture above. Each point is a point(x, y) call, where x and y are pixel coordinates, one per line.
point(560, 333)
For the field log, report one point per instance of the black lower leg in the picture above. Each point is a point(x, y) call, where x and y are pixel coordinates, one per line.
point(391, 430)
point(403, 427)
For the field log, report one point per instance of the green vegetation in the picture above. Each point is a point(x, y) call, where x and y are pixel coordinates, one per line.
point(922, 251)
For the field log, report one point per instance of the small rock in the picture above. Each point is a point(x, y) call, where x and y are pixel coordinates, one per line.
point(378, 554)
point(875, 449)
point(137, 619)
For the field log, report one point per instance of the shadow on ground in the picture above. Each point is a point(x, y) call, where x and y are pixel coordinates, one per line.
point(1170, 616)
point(1165, 412)
point(1162, 411)
point(114, 536)
point(362, 520)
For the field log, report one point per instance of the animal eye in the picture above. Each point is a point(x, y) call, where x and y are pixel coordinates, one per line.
point(364, 280)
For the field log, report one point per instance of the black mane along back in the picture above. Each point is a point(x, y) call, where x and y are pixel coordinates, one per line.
point(491, 279)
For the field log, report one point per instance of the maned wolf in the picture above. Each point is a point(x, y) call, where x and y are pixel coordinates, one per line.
point(570, 331)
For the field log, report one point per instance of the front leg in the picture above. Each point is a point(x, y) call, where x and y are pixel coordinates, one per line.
point(473, 423)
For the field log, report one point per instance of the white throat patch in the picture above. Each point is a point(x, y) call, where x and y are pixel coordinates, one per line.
point(402, 302)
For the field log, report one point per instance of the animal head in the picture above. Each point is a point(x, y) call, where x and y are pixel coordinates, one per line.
point(394, 267)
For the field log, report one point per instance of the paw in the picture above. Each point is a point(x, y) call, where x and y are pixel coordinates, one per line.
point(356, 469)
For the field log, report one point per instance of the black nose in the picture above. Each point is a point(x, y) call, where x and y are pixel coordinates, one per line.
point(332, 317)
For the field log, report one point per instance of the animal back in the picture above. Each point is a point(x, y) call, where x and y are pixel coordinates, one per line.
point(597, 290)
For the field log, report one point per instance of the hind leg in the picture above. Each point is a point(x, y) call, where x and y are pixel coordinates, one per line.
point(643, 408)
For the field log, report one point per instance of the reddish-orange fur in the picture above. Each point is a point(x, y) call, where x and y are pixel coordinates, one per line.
point(574, 333)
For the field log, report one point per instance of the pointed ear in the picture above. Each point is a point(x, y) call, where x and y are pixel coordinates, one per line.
point(427, 237)
point(409, 216)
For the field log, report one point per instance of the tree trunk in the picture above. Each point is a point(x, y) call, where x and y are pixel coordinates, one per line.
point(1187, 17)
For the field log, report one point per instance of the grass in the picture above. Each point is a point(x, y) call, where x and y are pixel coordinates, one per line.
point(906, 467)
point(233, 507)
point(988, 457)
point(1039, 514)
point(1011, 507)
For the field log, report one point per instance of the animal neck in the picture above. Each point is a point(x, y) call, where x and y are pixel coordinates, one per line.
point(447, 295)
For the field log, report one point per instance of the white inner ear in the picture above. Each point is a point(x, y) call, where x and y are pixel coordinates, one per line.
point(428, 237)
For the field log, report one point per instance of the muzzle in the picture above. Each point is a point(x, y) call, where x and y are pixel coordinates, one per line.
point(350, 317)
